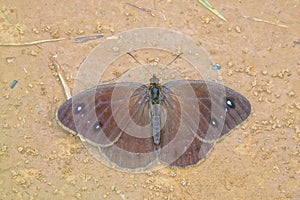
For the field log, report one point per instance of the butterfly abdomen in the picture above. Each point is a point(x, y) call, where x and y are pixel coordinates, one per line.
point(156, 125)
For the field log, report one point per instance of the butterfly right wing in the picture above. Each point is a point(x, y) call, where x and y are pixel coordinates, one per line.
point(205, 111)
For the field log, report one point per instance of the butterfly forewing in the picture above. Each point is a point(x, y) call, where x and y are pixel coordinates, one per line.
point(205, 118)
point(115, 118)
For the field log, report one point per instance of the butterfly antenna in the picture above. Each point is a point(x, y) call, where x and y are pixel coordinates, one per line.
point(134, 58)
point(178, 55)
point(143, 65)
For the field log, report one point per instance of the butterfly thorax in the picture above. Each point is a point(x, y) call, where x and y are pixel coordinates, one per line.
point(154, 90)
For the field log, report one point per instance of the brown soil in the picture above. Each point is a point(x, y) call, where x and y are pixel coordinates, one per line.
point(259, 59)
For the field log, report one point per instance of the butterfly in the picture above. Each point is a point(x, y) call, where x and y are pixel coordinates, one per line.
point(134, 126)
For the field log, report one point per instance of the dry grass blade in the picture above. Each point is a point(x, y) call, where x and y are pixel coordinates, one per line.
point(265, 21)
point(212, 9)
point(32, 43)
point(9, 21)
point(57, 68)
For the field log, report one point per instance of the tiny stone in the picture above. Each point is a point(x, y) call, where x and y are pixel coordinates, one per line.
point(219, 25)
point(80, 32)
point(33, 53)
point(230, 64)
point(35, 31)
point(78, 195)
point(10, 59)
point(55, 34)
point(238, 29)
point(291, 94)
point(229, 73)
point(20, 149)
point(55, 191)
point(264, 72)
point(116, 49)
point(245, 51)
point(5, 125)
point(172, 174)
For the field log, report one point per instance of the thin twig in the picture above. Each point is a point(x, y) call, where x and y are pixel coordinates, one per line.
point(138, 7)
point(32, 43)
point(57, 67)
point(265, 21)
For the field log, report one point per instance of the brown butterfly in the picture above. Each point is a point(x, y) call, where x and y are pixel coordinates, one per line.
point(133, 125)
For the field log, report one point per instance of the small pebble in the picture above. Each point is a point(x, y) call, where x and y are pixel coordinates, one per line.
point(264, 72)
point(238, 29)
point(35, 31)
point(291, 94)
point(230, 64)
point(33, 53)
point(10, 59)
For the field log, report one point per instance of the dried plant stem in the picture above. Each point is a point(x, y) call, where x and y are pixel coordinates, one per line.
point(33, 42)
point(9, 21)
point(57, 68)
point(265, 21)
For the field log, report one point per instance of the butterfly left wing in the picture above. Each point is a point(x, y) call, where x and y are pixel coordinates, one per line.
point(206, 112)
point(113, 121)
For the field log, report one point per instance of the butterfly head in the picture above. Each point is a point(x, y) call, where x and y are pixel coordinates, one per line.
point(154, 80)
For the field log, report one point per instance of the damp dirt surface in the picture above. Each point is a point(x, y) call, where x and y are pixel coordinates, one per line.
point(258, 49)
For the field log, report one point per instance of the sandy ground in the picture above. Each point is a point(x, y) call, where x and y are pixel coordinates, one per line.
point(261, 60)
